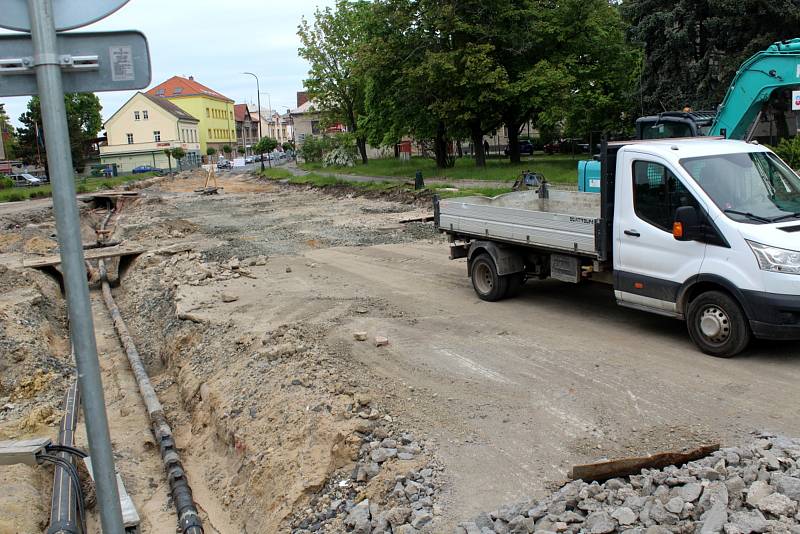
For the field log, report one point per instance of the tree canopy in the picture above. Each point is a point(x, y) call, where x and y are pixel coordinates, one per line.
point(692, 48)
point(439, 71)
point(83, 121)
point(330, 45)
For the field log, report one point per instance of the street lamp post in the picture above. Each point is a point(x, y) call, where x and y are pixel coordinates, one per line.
point(258, 98)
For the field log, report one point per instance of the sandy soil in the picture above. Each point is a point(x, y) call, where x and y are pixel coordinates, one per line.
point(257, 366)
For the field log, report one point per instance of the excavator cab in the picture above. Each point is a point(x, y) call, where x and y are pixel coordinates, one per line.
point(671, 124)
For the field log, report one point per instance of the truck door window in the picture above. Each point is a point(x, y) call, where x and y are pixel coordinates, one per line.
point(657, 194)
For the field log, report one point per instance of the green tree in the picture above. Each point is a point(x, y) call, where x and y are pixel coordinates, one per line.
point(404, 92)
point(178, 153)
point(603, 65)
point(7, 136)
point(693, 48)
point(210, 152)
point(240, 150)
point(266, 145)
point(83, 122)
point(330, 46)
point(168, 153)
point(227, 150)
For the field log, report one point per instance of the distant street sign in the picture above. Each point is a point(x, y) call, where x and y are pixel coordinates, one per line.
point(68, 14)
point(90, 62)
point(795, 100)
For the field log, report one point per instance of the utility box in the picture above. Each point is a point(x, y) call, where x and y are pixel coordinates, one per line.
point(589, 176)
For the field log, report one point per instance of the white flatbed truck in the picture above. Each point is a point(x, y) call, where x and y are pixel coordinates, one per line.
point(704, 230)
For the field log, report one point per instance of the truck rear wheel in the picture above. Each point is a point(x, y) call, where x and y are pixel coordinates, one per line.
point(487, 283)
point(717, 324)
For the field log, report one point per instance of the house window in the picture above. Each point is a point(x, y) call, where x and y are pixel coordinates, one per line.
point(208, 114)
point(160, 92)
point(130, 138)
point(177, 91)
point(157, 136)
point(136, 116)
point(145, 115)
point(209, 134)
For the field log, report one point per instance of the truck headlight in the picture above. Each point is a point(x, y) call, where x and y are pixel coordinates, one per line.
point(776, 260)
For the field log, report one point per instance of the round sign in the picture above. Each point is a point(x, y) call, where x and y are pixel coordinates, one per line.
point(68, 14)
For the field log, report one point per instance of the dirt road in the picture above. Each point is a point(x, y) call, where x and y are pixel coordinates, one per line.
point(516, 392)
point(507, 395)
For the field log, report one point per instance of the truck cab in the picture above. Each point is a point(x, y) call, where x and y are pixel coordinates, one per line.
point(709, 231)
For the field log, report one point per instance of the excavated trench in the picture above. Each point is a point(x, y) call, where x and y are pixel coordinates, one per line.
point(271, 421)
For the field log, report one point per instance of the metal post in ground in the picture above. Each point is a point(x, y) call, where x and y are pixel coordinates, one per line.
point(59, 161)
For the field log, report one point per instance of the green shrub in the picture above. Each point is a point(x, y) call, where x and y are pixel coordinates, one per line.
point(789, 151)
point(6, 182)
point(312, 149)
point(81, 189)
point(16, 196)
point(106, 185)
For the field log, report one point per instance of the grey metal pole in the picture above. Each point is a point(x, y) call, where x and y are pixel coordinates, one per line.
point(258, 99)
point(59, 162)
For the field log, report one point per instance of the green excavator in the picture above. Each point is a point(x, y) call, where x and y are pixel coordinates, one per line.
point(777, 67)
point(755, 83)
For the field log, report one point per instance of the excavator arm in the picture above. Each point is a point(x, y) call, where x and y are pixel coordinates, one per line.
point(776, 67)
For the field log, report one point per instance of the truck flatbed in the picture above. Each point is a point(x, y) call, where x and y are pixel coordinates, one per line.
point(563, 222)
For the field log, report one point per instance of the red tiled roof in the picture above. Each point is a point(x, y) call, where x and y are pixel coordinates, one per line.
point(240, 112)
point(179, 86)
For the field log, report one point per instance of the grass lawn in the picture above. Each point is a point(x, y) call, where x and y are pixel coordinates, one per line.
point(87, 185)
point(319, 180)
point(556, 168)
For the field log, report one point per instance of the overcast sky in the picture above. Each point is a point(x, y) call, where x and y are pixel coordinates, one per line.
point(215, 42)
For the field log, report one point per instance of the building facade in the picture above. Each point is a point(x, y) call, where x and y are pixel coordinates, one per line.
point(139, 132)
point(273, 124)
point(246, 128)
point(213, 110)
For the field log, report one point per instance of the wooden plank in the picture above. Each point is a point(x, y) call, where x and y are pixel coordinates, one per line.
point(630, 466)
point(92, 254)
point(429, 218)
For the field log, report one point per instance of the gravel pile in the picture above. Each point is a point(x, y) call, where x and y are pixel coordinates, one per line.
point(405, 507)
point(734, 490)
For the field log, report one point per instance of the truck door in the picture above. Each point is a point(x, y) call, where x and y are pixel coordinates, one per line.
point(651, 265)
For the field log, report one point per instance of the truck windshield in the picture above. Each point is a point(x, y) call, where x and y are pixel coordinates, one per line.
point(752, 187)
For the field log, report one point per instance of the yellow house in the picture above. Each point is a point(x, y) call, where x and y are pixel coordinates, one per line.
point(145, 126)
point(214, 111)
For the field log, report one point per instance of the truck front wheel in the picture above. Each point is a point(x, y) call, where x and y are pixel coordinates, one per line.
point(487, 283)
point(717, 324)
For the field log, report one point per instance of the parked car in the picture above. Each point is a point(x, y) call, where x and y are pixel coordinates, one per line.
point(249, 159)
point(224, 164)
point(142, 169)
point(25, 180)
point(525, 147)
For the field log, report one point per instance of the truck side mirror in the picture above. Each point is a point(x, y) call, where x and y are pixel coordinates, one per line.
point(687, 224)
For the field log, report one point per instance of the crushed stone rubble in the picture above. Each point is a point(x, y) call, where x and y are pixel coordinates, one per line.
point(734, 490)
point(404, 503)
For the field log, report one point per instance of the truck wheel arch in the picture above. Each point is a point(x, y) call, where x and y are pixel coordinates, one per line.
point(506, 259)
point(709, 282)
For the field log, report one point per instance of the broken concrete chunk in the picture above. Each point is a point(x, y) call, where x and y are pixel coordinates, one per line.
point(360, 336)
point(381, 341)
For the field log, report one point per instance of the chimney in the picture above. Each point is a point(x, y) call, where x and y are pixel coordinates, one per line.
point(302, 98)
point(191, 78)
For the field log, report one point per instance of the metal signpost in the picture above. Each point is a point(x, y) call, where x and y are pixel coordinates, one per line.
point(90, 62)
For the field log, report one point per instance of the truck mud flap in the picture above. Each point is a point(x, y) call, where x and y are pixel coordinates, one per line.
point(565, 268)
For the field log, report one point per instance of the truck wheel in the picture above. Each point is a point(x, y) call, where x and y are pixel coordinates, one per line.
point(485, 280)
point(717, 325)
point(514, 283)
